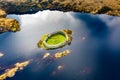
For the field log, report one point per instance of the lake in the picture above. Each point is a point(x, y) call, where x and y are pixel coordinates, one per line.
point(95, 49)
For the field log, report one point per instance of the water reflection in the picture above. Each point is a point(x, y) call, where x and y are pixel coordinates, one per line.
point(94, 49)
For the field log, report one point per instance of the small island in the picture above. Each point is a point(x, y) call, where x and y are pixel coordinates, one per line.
point(55, 40)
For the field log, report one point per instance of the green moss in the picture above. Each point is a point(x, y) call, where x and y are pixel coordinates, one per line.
point(13, 29)
point(56, 39)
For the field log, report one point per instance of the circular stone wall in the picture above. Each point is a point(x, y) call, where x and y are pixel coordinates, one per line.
point(55, 40)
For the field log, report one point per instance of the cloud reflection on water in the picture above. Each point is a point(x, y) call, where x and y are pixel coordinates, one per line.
point(101, 34)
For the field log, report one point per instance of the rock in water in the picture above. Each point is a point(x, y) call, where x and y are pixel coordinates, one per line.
point(61, 54)
point(7, 24)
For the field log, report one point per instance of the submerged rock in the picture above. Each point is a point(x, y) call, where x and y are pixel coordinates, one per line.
point(61, 54)
point(46, 55)
point(12, 71)
point(49, 57)
point(55, 40)
point(1, 55)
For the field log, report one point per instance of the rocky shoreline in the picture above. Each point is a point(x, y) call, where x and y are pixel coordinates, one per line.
point(32, 6)
point(88, 6)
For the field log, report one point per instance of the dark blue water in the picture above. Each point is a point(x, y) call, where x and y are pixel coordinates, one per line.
point(95, 49)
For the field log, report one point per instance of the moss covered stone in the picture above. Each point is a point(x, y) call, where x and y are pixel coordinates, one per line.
point(55, 40)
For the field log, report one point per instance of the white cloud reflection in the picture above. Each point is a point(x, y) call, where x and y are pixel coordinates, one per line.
point(35, 25)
